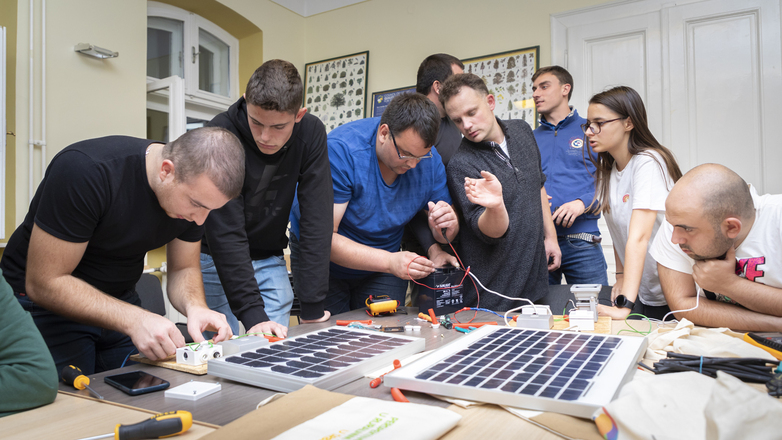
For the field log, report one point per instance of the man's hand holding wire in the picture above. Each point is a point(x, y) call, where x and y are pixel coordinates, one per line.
point(409, 265)
point(442, 216)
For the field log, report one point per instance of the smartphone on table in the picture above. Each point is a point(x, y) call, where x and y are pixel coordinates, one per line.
point(136, 382)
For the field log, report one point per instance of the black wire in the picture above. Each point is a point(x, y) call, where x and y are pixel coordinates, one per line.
point(747, 369)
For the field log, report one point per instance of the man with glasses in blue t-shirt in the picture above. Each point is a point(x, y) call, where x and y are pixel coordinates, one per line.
point(384, 171)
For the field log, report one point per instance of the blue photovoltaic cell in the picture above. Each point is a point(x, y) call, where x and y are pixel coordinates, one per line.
point(318, 355)
point(530, 362)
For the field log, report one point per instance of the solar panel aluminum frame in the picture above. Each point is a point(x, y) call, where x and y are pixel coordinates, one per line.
point(617, 370)
point(287, 383)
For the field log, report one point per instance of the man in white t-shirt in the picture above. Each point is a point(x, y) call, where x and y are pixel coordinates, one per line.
point(723, 241)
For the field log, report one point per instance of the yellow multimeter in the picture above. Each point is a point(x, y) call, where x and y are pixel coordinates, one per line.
point(771, 342)
point(381, 305)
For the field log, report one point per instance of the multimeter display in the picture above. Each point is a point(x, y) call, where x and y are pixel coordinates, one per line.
point(771, 337)
point(771, 342)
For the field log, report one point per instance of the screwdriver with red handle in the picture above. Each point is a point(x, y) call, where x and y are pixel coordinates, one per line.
point(72, 375)
point(158, 426)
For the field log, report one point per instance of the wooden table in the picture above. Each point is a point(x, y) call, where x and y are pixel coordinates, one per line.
point(76, 417)
point(236, 399)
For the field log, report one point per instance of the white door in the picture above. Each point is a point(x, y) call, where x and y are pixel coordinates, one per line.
point(605, 50)
point(725, 67)
point(623, 51)
point(709, 71)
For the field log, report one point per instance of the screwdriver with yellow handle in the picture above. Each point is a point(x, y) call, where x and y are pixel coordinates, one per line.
point(72, 375)
point(158, 426)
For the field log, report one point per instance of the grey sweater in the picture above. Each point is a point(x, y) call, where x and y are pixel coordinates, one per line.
point(514, 264)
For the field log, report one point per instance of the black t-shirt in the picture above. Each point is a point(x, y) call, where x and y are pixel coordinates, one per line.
point(97, 191)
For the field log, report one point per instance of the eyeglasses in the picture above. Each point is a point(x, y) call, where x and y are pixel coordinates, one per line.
point(393, 139)
point(597, 127)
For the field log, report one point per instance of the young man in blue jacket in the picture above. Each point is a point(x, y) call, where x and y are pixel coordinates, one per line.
point(569, 182)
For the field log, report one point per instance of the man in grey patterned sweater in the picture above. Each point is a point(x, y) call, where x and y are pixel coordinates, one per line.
point(495, 179)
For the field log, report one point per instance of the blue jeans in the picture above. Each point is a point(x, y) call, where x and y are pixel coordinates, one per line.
point(271, 274)
point(582, 263)
point(350, 294)
point(92, 349)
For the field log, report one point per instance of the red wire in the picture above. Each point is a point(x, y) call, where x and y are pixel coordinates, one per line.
point(466, 272)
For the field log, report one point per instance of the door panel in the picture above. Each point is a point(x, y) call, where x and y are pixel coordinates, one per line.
point(725, 62)
point(617, 52)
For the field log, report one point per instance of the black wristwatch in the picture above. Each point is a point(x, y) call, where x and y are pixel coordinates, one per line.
point(621, 301)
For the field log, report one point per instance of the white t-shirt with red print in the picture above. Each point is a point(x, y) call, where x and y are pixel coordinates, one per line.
point(758, 258)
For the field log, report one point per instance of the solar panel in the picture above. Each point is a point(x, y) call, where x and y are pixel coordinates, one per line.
point(326, 358)
point(549, 370)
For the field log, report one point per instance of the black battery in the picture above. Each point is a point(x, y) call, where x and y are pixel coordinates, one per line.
point(448, 296)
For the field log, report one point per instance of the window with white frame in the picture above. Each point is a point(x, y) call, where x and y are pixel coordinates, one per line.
point(183, 44)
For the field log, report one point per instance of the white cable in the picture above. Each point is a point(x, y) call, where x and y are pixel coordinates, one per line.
point(535, 312)
point(507, 324)
point(697, 302)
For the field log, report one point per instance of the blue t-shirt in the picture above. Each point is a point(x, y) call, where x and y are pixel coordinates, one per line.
point(376, 213)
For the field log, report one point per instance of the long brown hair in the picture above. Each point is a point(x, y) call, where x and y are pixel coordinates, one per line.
point(625, 102)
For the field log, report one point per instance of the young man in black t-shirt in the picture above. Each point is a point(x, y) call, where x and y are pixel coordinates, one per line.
point(103, 203)
point(245, 275)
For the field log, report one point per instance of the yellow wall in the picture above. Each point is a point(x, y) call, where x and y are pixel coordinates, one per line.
point(283, 30)
point(399, 34)
point(88, 97)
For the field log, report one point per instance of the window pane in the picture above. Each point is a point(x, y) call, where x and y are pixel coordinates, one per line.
point(193, 123)
point(212, 64)
point(157, 125)
point(165, 53)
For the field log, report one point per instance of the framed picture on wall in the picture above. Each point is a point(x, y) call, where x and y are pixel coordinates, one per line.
point(508, 75)
point(335, 90)
point(380, 100)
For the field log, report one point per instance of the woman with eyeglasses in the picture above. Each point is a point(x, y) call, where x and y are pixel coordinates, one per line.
point(634, 175)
